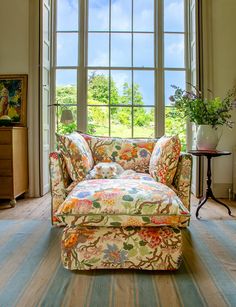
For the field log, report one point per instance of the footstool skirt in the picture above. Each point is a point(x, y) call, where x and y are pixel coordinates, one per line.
point(149, 248)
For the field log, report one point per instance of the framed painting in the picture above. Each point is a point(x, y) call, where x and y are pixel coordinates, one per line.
point(13, 98)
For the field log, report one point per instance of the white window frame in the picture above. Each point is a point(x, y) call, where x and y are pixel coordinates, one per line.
point(159, 68)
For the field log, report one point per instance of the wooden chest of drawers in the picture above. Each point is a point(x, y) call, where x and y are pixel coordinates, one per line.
point(13, 162)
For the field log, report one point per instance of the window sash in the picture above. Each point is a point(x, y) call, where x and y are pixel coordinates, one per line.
point(159, 69)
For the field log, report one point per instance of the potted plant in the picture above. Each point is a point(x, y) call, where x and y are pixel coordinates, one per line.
point(207, 114)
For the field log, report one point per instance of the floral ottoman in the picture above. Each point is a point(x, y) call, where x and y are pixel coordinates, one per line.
point(122, 223)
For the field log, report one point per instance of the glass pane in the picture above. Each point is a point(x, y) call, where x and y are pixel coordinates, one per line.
point(66, 121)
point(121, 15)
point(120, 50)
point(175, 125)
point(98, 15)
point(144, 122)
point(173, 78)
point(46, 23)
point(174, 15)
point(98, 49)
point(67, 15)
point(144, 15)
point(98, 87)
point(98, 121)
point(66, 89)
point(121, 122)
point(143, 50)
point(121, 88)
point(144, 92)
point(174, 50)
point(67, 49)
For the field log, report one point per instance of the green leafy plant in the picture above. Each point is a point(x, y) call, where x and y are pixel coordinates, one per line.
point(202, 111)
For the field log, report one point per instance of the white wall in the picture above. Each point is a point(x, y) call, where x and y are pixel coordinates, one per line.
point(19, 24)
point(14, 46)
point(223, 77)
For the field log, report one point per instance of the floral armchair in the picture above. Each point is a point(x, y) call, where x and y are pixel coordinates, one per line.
point(134, 218)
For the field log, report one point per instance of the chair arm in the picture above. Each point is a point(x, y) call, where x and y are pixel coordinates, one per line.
point(183, 178)
point(59, 180)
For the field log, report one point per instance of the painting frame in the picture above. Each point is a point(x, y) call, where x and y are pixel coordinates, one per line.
point(13, 98)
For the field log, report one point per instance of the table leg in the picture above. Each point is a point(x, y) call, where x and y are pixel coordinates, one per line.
point(209, 193)
point(200, 204)
point(220, 202)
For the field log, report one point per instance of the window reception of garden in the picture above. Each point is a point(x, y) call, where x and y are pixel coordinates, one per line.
point(114, 64)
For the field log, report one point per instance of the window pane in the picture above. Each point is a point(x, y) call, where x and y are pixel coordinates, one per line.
point(98, 15)
point(62, 125)
point(98, 121)
point(67, 15)
point(174, 50)
point(66, 89)
point(121, 122)
point(173, 78)
point(121, 13)
point(98, 87)
point(67, 49)
point(144, 88)
point(143, 50)
point(121, 50)
point(175, 125)
point(174, 15)
point(98, 49)
point(144, 122)
point(121, 87)
point(144, 15)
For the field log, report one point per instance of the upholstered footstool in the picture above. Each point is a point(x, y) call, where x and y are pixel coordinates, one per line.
point(149, 248)
point(122, 223)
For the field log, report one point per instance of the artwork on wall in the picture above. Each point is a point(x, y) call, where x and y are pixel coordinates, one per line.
point(13, 98)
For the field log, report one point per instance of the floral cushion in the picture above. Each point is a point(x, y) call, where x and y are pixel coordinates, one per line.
point(122, 202)
point(129, 153)
point(150, 248)
point(77, 155)
point(164, 159)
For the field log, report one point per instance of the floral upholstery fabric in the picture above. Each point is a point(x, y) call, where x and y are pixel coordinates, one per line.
point(122, 202)
point(77, 155)
point(135, 175)
point(182, 179)
point(60, 180)
point(164, 159)
point(129, 153)
point(150, 248)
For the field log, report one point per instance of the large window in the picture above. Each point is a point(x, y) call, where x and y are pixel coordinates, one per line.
point(114, 63)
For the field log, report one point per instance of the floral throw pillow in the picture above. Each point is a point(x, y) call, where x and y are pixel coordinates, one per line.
point(77, 155)
point(132, 154)
point(164, 159)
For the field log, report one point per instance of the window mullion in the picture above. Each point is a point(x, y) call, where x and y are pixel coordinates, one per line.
point(159, 53)
point(82, 71)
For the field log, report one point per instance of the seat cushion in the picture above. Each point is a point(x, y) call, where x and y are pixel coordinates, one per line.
point(122, 202)
point(164, 159)
point(129, 153)
point(77, 155)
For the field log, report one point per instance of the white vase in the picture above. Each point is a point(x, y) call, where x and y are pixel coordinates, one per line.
point(207, 137)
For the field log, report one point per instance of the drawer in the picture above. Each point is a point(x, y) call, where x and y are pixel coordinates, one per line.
point(6, 187)
point(5, 168)
point(5, 152)
point(5, 137)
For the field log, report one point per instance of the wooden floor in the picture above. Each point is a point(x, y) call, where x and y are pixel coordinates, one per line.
point(40, 208)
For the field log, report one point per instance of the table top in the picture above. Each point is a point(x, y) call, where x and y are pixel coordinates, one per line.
point(209, 153)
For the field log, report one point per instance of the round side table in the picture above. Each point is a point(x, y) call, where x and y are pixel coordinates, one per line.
point(209, 154)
